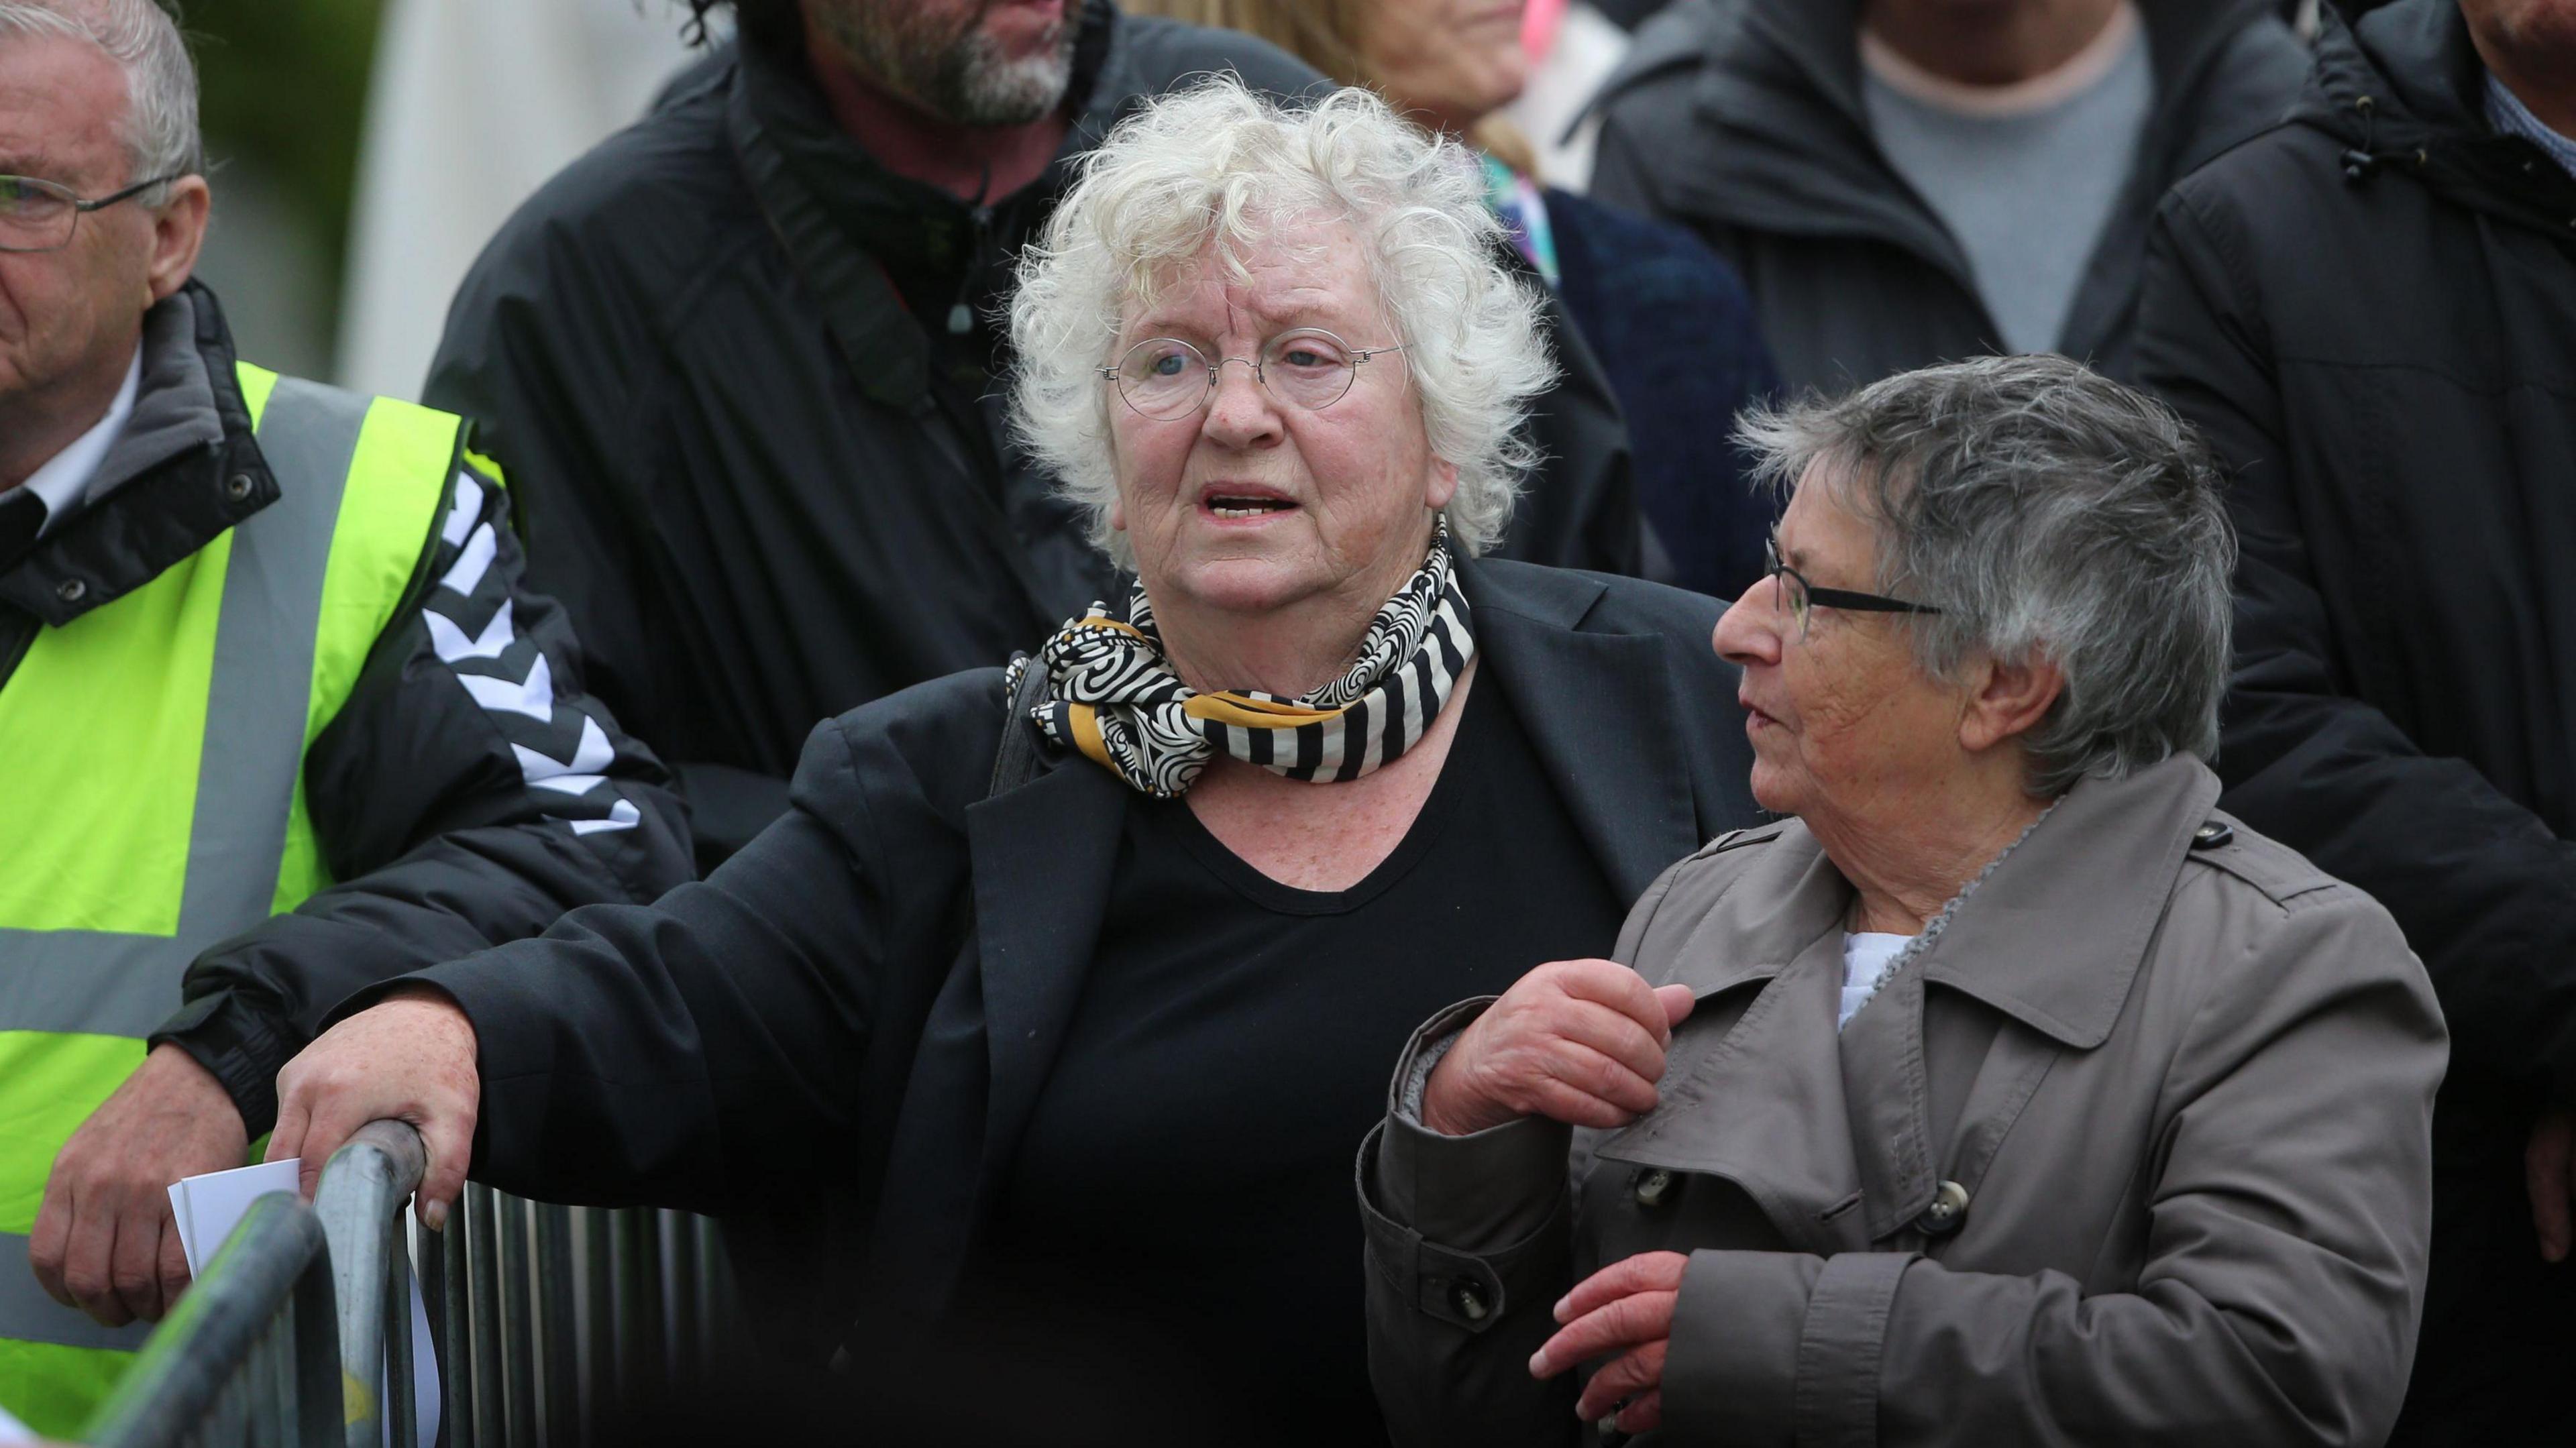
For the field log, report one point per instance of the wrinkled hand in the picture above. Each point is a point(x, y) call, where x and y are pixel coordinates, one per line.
point(104, 1241)
point(2549, 1174)
point(1578, 1041)
point(410, 1057)
point(1624, 1309)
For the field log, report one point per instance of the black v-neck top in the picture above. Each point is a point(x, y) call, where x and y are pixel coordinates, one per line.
point(1181, 1208)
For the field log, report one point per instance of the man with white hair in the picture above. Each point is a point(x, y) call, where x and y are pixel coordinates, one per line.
point(271, 704)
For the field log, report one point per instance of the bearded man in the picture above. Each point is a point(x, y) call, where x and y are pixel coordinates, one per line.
point(741, 363)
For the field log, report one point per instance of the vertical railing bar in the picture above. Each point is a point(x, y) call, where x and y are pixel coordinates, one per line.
point(598, 1323)
point(715, 1295)
point(484, 1301)
point(455, 1324)
point(401, 1414)
point(680, 1324)
point(639, 1312)
point(518, 1367)
point(558, 1362)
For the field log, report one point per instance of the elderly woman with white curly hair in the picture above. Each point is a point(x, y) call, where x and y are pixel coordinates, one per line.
point(1081, 979)
point(2006, 1092)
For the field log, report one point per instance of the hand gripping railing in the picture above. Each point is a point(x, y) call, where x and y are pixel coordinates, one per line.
point(248, 1356)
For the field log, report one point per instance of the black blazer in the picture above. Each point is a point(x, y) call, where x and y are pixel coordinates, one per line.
point(857, 1012)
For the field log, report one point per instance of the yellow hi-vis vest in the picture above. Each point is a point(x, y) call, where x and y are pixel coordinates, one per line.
point(152, 800)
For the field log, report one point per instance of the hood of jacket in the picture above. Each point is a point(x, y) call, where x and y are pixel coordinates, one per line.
point(2402, 89)
point(1782, 142)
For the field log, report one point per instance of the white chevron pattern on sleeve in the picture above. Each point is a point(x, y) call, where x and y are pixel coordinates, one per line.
point(467, 574)
point(589, 757)
point(534, 696)
point(452, 644)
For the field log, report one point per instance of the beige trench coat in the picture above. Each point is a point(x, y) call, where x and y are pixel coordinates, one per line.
point(2135, 1151)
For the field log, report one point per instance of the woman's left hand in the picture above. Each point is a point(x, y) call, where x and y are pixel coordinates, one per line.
point(1625, 1308)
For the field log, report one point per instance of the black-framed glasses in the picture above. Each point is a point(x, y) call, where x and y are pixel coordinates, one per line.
point(1792, 591)
point(1165, 377)
point(42, 215)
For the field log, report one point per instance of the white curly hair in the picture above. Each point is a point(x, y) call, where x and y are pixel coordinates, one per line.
point(1208, 171)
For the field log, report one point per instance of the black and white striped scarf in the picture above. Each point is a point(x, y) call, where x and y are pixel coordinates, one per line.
point(1112, 695)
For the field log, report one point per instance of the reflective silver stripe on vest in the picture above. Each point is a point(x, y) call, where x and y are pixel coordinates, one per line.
point(125, 985)
point(31, 1316)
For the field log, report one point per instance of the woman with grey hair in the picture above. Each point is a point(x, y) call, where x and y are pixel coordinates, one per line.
point(2004, 1091)
point(1086, 996)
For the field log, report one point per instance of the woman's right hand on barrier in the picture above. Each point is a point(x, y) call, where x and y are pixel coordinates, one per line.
point(410, 1057)
point(1578, 1041)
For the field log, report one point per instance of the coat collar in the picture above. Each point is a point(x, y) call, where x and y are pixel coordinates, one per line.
point(166, 487)
point(2052, 938)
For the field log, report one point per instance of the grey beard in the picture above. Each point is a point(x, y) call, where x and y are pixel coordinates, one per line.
point(963, 79)
point(975, 86)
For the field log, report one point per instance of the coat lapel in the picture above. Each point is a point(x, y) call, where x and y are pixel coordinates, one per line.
point(1586, 698)
point(1042, 855)
point(1762, 1102)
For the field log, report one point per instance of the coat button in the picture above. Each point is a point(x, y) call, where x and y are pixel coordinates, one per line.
point(2212, 834)
point(237, 487)
point(72, 590)
point(1948, 1212)
point(1470, 1300)
point(1654, 1184)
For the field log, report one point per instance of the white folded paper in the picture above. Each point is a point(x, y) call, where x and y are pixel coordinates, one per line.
point(209, 1207)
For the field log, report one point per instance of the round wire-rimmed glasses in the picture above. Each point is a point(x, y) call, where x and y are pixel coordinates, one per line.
point(1165, 378)
point(37, 215)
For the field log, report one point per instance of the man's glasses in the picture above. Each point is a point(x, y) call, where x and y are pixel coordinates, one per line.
point(41, 216)
point(1166, 378)
point(1792, 591)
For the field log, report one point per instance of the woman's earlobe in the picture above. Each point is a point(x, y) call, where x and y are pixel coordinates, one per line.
point(1444, 484)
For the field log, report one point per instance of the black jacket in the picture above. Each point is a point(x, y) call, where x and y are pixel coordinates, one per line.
point(1743, 119)
point(419, 802)
point(2371, 314)
point(714, 354)
point(867, 998)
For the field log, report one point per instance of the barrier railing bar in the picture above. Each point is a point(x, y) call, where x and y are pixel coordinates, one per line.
point(518, 1330)
point(483, 1301)
point(558, 1329)
point(202, 1355)
point(595, 1339)
point(363, 1189)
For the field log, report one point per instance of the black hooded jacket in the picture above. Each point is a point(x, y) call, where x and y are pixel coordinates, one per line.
point(1743, 120)
point(2371, 314)
point(766, 476)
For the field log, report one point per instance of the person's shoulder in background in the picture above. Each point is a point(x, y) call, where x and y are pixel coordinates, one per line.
point(1676, 330)
point(1151, 55)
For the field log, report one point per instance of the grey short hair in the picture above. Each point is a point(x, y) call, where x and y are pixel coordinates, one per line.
point(2050, 512)
point(1215, 164)
point(160, 80)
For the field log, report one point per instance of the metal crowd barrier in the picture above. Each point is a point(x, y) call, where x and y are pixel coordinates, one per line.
point(249, 1356)
point(543, 1317)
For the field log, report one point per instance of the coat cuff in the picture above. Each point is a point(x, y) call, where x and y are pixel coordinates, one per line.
point(1780, 1347)
point(242, 1048)
point(1473, 1282)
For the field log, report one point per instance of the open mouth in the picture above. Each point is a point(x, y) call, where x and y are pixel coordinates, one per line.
point(1233, 506)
